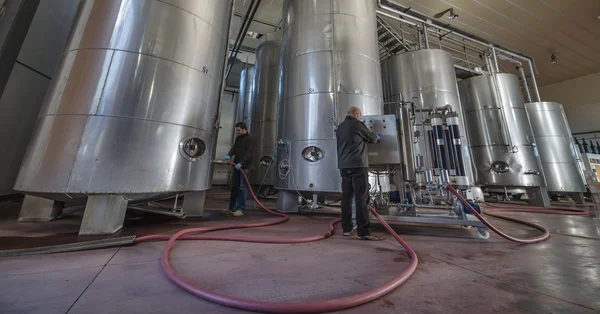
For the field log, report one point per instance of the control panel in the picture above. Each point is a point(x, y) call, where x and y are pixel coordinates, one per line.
point(387, 150)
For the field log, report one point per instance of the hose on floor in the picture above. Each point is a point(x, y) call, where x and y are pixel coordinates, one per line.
point(494, 213)
point(327, 305)
point(277, 307)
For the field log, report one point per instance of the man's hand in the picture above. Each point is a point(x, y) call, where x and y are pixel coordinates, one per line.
point(227, 158)
point(238, 166)
point(377, 136)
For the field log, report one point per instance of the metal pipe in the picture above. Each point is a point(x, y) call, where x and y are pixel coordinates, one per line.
point(495, 59)
point(448, 40)
point(471, 38)
point(533, 82)
point(242, 33)
point(158, 211)
point(395, 17)
point(444, 207)
point(426, 36)
point(525, 85)
point(505, 128)
point(237, 38)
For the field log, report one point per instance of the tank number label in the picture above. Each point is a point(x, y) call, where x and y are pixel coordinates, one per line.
point(311, 90)
point(204, 70)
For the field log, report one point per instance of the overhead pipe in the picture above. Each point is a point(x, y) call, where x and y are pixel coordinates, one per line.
point(419, 18)
point(242, 34)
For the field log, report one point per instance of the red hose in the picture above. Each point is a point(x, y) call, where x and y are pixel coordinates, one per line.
point(493, 213)
point(276, 307)
point(317, 306)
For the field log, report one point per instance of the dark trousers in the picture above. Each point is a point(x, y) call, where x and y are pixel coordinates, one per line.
point(355, 182)
point(239, 191)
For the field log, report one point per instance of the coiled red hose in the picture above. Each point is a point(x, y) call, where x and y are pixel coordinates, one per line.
point(539, 210)
point(277, 307)
point(306, 307)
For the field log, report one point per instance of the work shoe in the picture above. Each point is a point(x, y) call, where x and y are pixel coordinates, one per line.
point(351, 233)
point(226, 212)
point(238, 213)
point(370, 237)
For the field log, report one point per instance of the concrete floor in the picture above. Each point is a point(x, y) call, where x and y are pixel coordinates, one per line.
point(457, 273)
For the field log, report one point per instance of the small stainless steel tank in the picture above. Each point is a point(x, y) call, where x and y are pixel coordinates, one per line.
point(556, 148)
point(499, 132)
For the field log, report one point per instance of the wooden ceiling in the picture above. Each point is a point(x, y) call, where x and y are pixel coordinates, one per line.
point(568, 28)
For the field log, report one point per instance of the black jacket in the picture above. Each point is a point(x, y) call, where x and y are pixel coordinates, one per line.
point(243, 150)
point(352, 138)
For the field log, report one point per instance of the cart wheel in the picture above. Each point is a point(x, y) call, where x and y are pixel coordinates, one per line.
point(483, 233)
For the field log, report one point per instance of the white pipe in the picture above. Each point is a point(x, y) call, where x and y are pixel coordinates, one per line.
point(533, 82)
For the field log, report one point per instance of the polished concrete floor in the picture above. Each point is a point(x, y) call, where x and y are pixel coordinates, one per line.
point(457, 273)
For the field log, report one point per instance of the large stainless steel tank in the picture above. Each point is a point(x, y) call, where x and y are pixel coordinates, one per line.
point(428, 78)
point(330, 62)
point(500, 136)
point(133, 108)
point(264, 114)
point(246, 97)
point(557, 151)
point(43, 41)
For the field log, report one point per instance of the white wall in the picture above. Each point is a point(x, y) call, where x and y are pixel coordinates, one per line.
point(580, 98)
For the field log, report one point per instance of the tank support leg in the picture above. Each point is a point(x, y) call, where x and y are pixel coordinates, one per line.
point(287, 201)
point(538, 196)
point(37, 209)
point(193, 204)
point(577, 197)
point(104, 214)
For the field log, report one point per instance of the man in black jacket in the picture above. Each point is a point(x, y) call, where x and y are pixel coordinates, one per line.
point(243, 152)
point(353, 162)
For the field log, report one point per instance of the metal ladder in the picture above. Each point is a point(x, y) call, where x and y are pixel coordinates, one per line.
point(390, 42)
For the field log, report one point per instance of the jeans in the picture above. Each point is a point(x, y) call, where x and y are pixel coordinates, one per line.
point(355, 182)
point(239, 191)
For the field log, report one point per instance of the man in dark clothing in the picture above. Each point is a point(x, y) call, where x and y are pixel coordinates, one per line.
point(242, 152)
point(353, 162)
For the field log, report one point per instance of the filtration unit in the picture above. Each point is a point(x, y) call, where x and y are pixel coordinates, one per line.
point(329, 62)
point(246, 97)
point(421, 91)
point(134, 108)
point(556, 148)
point(500, 136)
point(264, 113)
point(430, 139)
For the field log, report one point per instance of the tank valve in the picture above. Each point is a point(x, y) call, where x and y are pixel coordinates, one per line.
point(219, 162)
point(281, 144)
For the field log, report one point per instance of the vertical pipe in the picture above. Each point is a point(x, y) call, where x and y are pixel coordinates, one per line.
point(425, 36)
point(533, 81)
point(419, 38)
point(495, 59)
point(525, 85)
